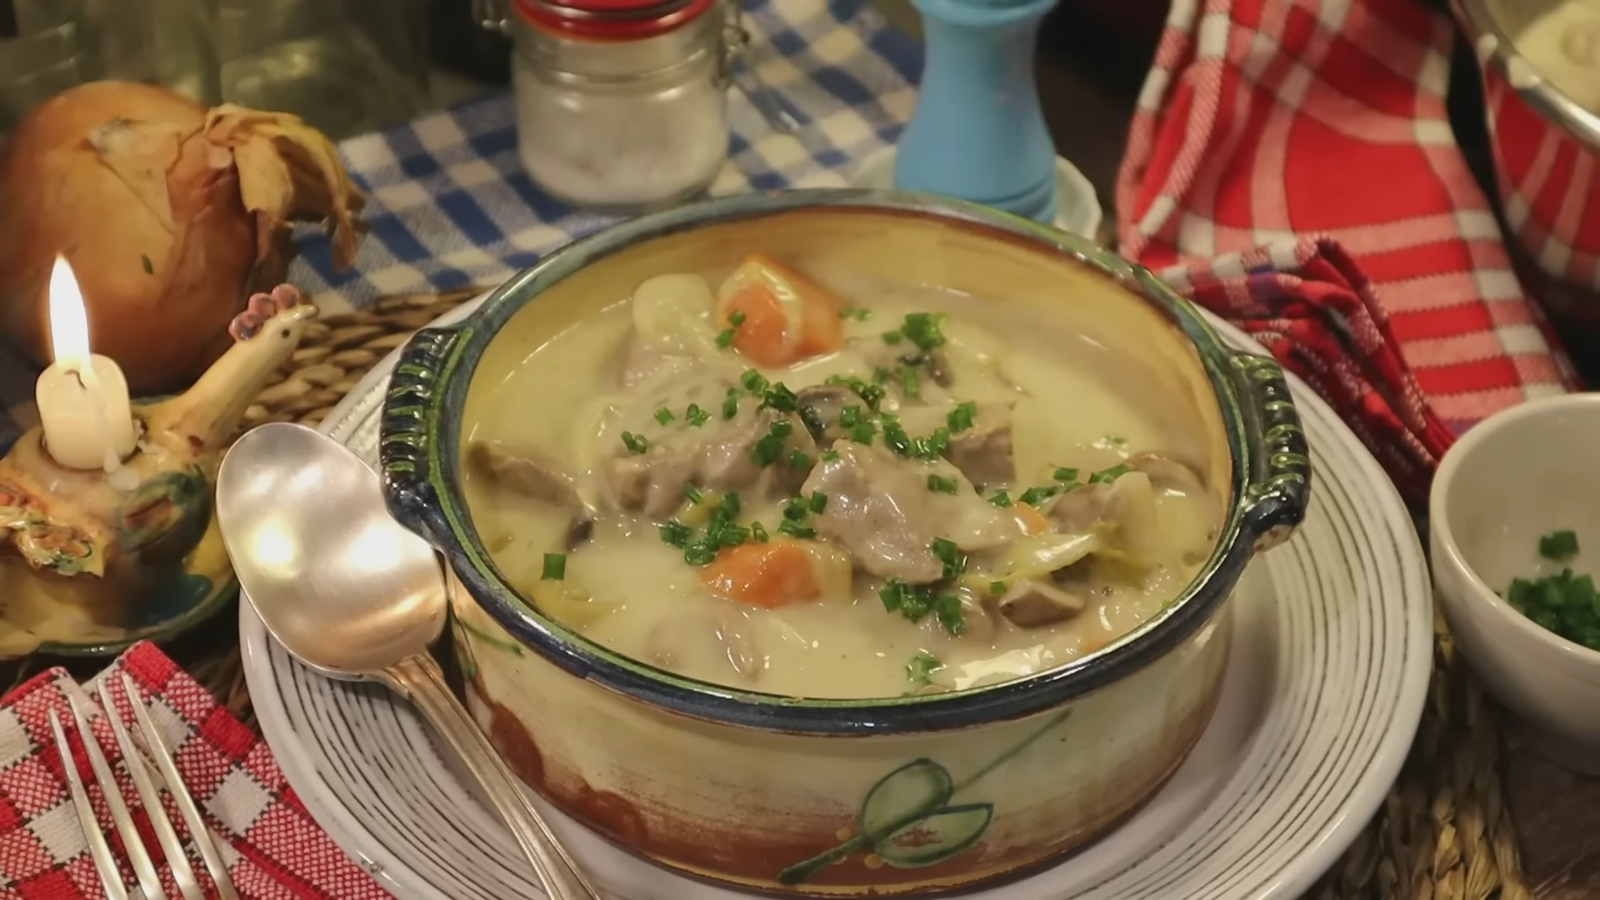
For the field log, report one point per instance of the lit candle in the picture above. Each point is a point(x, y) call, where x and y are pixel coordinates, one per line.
point(83, 399)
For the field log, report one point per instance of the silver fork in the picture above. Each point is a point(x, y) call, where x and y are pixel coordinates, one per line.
point(143, 866)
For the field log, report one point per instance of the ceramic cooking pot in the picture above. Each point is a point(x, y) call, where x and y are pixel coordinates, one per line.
point(843, 797)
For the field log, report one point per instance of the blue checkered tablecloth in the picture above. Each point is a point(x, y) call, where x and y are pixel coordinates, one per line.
point(450, 205)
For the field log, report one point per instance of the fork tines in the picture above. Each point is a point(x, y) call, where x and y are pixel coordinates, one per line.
point(144, 867)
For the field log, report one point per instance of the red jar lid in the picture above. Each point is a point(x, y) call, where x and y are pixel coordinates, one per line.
point(610, 19)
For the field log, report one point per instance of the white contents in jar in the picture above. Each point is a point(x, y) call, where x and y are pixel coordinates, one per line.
point(620, 147)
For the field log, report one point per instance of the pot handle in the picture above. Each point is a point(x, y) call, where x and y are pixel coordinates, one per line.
point(1278, 484)
point(406, 449)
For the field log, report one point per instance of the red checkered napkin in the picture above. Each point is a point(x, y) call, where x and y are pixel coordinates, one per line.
point(1277, 141)
point(272, 847)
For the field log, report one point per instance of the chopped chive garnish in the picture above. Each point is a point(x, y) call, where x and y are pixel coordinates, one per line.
point(862, 432)
point(1066, 475)
point(696, 416)
point(769, 449)
point(1106, 476)
point(947, 607)
point(675, 533)
point(893, 337)
point(636, 443)
point(1035, 495)
point(693, 493)
point(758, 533)
point(555, 567)
point(939, 484)
point(730, 404)
point(725, 337)
point(797, 459)
point(796, 530)
point(850, 416)
point(860, 314)
point(664, 415)
point(830, 456)
point(997, 587)
point(910, 381)
point(780, 398)
point(1001, 499)
point(818, 502)
point(753, 381)
point(923, 329)
point(962, 417)
point(946, 551)
point(921, 667)
point(700, 552)
point(870, 394)
point(1559, 545)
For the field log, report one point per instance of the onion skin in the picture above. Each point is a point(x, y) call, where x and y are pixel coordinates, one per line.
point(140, 189)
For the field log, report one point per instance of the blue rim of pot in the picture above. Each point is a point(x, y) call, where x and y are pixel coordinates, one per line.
point(420, 439)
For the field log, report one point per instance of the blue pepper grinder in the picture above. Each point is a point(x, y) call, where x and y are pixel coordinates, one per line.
point(978, 132)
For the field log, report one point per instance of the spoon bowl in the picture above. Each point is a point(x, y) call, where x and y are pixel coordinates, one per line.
point(350, 593)
point(333, 577)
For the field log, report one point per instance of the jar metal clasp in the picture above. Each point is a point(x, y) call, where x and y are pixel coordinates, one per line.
point(491, 15)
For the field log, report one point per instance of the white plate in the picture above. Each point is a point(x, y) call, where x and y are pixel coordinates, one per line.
point(1321, 701)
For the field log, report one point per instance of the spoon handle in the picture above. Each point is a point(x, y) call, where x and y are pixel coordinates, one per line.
point(420, 678)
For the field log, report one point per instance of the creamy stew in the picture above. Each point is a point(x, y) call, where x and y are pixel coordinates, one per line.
point(778, 486)
point(1563, 44)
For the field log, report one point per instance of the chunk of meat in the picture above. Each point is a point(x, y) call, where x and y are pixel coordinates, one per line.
point(720, 457)
point(1167, 473)
point(1029, 604)
point(880, 508)
point(1128, 503)
point(527, 471)
point(984, 453)
point(536, 475)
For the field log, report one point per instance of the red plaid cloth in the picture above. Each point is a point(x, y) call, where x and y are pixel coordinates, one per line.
point(1288, 137)
point(272, 847)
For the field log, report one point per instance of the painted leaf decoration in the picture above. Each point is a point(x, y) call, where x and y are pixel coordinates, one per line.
point(937, 837)
point(908, 793)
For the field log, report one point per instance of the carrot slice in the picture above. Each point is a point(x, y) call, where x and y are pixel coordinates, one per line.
point(762, 334)
point(1033, 521)
point(763, 575)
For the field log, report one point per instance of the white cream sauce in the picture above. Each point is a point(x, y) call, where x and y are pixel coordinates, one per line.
point(647, 603)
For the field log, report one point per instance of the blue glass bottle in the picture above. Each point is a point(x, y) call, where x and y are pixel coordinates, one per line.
point(978, 133)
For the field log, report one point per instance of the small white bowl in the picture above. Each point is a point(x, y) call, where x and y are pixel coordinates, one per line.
point(1077, 208)
point(1513, 478)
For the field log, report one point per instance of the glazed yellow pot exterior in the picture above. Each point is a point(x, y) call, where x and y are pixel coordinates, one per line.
point(849, 797)
point(845, 816)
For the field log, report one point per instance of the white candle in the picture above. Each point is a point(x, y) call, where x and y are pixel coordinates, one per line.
point(83, 399)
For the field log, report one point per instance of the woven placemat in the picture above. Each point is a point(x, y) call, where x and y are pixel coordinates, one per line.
point(1444, 832)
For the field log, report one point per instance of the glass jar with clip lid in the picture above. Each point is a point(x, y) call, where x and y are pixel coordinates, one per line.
point(621, 105)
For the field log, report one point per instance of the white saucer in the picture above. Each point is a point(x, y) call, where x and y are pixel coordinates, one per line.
point(1077, 207)
point(1321, 701)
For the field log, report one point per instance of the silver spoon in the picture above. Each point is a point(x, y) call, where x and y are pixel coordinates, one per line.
point(355, 596)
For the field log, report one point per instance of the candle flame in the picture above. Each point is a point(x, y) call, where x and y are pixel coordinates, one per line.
point(69, 320)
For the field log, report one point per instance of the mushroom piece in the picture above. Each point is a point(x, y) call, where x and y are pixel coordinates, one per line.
point(820, 408)
point(1029, 604)
point(536, 475)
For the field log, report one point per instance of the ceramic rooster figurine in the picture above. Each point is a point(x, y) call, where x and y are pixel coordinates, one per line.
point(96, 554)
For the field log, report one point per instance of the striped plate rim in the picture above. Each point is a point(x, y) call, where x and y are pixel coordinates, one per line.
point(1349, 622)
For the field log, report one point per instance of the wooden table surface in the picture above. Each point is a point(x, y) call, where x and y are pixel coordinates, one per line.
point(1088, 90)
